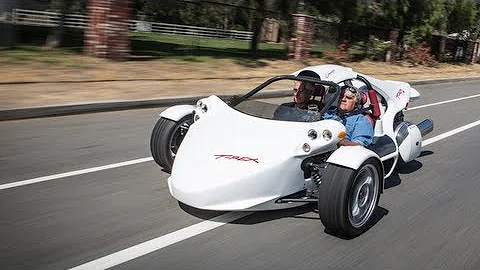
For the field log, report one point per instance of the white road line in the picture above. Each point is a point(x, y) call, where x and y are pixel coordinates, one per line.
point(140, 160)
point(442, 102)
point(199, 228)
point(73, 173)
point(161, 242)
point(450, 133)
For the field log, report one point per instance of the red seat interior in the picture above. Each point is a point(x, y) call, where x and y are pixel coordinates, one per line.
point(372, 95)
point(369, 116)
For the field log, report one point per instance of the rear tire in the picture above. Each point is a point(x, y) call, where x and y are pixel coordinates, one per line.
point(347, 198)
point(167, 135)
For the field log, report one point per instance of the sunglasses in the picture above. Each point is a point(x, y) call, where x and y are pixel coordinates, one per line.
point(302, 89)
point(299, 90)
point(349, 97)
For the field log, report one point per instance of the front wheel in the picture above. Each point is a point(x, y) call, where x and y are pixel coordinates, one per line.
point(347, 198)
point(167, 135)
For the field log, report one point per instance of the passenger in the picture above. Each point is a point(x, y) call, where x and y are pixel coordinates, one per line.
point(359, 130)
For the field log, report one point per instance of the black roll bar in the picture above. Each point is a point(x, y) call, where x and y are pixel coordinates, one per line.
point(333, 89)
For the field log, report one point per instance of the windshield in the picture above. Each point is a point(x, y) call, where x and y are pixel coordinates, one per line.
point(283, 112)
point(309, 99)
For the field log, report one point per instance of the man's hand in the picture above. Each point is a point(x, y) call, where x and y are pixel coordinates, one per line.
point(346, 143)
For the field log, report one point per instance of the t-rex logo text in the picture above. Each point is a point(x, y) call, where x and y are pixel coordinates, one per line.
point(330, 73)
point(400, 92)
point(237, 158)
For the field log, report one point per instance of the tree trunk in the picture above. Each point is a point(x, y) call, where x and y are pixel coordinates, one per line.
point(393, 37)
point(55, 38)
point(257, 27)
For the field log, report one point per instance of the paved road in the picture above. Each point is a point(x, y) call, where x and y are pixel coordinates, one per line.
point(428, 217)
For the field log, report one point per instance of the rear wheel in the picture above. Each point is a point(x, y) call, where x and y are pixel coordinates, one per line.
point(347, 197)
point(167, 135)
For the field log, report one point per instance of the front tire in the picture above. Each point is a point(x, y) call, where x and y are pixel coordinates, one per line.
point(347, 198)
point(167, 135)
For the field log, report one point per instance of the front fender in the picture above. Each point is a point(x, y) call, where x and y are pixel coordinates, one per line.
point(177, 112)
point(351, 156)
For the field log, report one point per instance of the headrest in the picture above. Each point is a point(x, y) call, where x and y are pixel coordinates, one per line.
point(363, 98)
point(319, 90)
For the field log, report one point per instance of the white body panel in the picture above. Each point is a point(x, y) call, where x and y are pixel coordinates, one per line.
point(233, 161)
point(411, 146)
point(177, 112)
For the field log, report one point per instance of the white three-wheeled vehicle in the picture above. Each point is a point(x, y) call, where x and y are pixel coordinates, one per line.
point(241, 154)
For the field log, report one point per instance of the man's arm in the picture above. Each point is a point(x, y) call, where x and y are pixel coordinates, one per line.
point(361, 133)
point(347, 143)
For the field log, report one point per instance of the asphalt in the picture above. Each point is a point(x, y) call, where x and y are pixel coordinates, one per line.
point(427, 217)
point(114, 105)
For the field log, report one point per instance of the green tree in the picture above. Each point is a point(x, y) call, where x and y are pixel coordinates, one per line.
point(347, 12)
point(167, 11)
point(463, 16)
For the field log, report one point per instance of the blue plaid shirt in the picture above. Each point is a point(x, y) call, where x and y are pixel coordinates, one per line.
point(357, 126)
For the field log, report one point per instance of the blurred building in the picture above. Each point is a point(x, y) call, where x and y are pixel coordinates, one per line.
point(455, 47)
point(269, 31)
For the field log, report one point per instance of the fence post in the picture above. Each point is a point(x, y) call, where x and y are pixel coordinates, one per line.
point(441, 48)
point(107, 30)
point(474, 52)
point(303, 27)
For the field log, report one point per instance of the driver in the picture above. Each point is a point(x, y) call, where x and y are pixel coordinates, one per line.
point(303, 93)
point(302, 96)
point(304, 106)
point(359, 129)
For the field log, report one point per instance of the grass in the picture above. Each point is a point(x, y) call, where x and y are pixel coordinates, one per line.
point(160, 46)
point(25, 54)
point(144, 47)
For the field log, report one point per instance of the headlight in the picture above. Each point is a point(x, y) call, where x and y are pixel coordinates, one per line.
point(327, 135)
point(312, 134)
point(306, 147)
point(202, 106)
